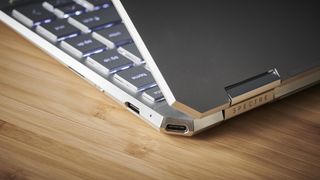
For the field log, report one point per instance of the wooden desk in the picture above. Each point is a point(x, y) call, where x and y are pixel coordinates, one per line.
point(54, 125)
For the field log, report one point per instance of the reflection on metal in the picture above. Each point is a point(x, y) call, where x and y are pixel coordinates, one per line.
point(249, 104)
point(253, 86)
point(296, 83)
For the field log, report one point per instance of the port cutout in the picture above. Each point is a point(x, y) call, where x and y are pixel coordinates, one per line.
point(133, 107)
point(176, 128)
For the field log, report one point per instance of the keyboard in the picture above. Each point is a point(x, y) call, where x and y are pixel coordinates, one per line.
point(92, 32)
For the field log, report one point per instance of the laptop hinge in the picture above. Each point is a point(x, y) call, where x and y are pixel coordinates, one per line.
point(252, 92)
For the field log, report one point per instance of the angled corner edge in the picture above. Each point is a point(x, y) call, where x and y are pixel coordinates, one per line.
point(186, 109)
point(196, 114)
point(145, 52)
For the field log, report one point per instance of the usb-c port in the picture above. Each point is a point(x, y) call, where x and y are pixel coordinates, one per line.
point(176, 128)
point(133, 107)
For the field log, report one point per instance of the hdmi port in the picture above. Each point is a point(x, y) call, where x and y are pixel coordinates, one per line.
point(133, 107)
point(176, 128)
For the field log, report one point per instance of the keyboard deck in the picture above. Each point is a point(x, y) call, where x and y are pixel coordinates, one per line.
point(92, 32)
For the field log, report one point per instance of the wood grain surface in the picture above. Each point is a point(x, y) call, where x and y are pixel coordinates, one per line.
point(54, 125)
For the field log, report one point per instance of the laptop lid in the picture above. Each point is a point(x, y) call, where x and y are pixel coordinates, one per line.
point(206, 54)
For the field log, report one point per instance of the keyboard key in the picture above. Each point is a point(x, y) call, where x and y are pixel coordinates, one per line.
point(136, 79)
point(131, 52)
point(109, 62)
point(52, 4)
point(154, 94)
point(69, 10)
point(58, 30)
point(96, 19)
point(94, 4)
point(33, 15)
point(82, 46)
point(114, 36)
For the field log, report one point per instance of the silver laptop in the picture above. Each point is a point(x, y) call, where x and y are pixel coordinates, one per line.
point(182, 66)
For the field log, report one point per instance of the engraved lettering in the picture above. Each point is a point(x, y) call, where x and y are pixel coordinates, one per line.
point(249, 104)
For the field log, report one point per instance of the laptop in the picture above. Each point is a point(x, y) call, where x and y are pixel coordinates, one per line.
point(182, 66)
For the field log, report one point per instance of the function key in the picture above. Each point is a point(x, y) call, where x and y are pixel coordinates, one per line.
point(154, 94)
point(58, 30)
point(114, 36)
point(109, 62)
point(136, 79)
point(82, 46)
point(69, 10)
point(52, 4)
point(33, 15)
point(131, 52)
point(95, 4)
point(96, 19)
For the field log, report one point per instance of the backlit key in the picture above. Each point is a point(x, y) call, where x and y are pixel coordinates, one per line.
point(52, 4)
point(154, 94)
point(82, 46)
point(131, 52)
point(58, 30)
point(96, 19)
point(33, 15)
point(114, 36)
point(69, 10)
point(94, 4)
point(109, 62)
point(136, 79)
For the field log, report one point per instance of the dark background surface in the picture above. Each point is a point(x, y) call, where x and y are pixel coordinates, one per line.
point(201, 47)
point(4, 4)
